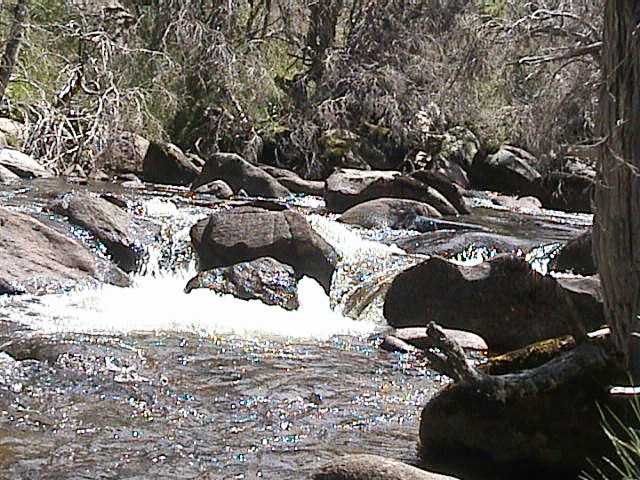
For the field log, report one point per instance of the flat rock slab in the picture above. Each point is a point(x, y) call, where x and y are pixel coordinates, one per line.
point(109, 223)
point(373, 467)
point(264, 279)
point(22, 165)
point(35, 258)
point(246, 233)
point(448, 242)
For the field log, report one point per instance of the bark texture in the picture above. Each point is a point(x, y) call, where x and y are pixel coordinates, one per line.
point(13, 44)
point(617, 221)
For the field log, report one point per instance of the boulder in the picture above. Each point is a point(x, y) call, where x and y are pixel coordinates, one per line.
point(503, 300)
point(247, 233)
point(373, 467)
point(451, 191)
point(567, 192)
point(346, 188)
point(342, 148)
point(293, 182)
point(393, 213)
point(540, 423)
point(264, 279)
point(108, 223)
point(576, 256)
point(451, 171)
point(217, 188)
point(7, 175)
point(453, 240)
point(509, 170)
point(14, 132)
point(240, 175)
point(123, 154)
point(22, 165)
point(35, 258)
point(166, 164)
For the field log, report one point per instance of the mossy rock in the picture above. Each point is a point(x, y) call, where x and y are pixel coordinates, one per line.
point(529, 357)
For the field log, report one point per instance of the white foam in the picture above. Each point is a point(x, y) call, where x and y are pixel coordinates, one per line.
point(158, 304)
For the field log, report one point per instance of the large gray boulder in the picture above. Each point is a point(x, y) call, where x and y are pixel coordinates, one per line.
point(109, 223)
point(35, 258)
point(264, 279)
point(373, 467)
point(443, 184)
point(568, 192)
point(246, 233)
point(509, 170)
point(393, 213)
point(346, 188)
point(166, 164)
point(22, 165)
point(503, 300)
point(240, 175)
point(217, 188)
point(123, 154)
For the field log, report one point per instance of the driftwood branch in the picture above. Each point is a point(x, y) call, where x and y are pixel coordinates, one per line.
point(449, 357)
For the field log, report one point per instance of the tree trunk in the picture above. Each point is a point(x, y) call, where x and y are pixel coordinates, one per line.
point(617, 196)
point(324, 15)
point(13, 45)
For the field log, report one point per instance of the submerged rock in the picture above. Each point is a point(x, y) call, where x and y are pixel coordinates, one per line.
point(503, 300)
point(576, 256)
point(454, 239)
point(373, 467)
point(247, 233)
point(240, 175)
point(509, 170)
point(165, 163)
point(394, 213)
point(22, 165)
point(264, 279)
point(346, 188)
point(110, 224)
point(35, 258)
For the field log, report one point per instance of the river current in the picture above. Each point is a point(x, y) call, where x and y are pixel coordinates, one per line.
point(149, 382)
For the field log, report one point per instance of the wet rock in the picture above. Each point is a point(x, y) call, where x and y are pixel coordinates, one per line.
point(550, 434)
point(503, 300)
point(567, 192)
point(240, 175)
point(166, 164)
point(217, 188)
point(346, 188)
point(576, 256)
point(108, 223)
point(264, 279)
point(450, 190)
point(22, 165)
point(509, 170)
point(35, 258)
point(394, 213)
point(36, 347)
point(7, 175)
point(452, 240)
point(247, 233)
point(293, 182)
point(373, 467)
point(123, 154)
point(418, 338)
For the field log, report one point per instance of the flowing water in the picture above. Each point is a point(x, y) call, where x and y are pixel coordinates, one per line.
point(149, 382)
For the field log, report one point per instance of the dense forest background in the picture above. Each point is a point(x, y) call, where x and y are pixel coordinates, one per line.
point(306, 84)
